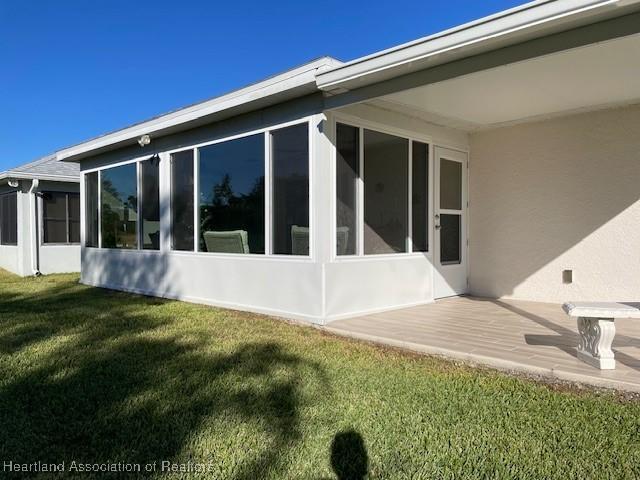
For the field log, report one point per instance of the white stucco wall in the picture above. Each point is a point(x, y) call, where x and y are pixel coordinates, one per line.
point(553, 195)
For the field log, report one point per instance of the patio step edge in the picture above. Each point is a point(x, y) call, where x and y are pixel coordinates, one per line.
point(497, 363)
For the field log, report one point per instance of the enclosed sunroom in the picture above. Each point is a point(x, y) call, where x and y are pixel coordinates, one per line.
point(494, 159)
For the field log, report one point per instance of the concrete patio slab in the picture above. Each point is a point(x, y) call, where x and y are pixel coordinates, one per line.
point(530, 337)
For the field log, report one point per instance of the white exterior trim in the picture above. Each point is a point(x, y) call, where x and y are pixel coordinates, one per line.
point(508, 27)
point(298, 78)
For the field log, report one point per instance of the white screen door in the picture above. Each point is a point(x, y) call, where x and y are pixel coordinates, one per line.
point(450, 223)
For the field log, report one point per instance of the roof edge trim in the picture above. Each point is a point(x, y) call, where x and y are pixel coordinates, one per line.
point(501, 25)
point(301, 76)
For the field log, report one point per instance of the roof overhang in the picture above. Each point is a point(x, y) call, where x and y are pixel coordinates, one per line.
point(344, 82)
point(530, 21)
point(289, 85)
point(9, 175)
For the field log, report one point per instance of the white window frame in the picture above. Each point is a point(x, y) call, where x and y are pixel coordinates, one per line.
point(268, 164)
point(166, 154)
point(361, 125)
point(99, 170)
point(41, 220)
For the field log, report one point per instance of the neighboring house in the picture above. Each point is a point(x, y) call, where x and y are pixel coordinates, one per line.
point(40, 218)
point(500, 158)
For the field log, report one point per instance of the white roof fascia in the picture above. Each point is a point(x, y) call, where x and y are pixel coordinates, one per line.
point(297, 78)
point(509, 27)
point(31, 176)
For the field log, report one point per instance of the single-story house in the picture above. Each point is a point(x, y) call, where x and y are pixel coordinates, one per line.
point(40, 217)
point(500, 158)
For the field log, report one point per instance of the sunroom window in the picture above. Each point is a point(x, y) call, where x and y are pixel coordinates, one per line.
point(9, 219)
point(231, 196)
point(374, 212)
point(182, 231)
point(91, 209)
point(61, 217)
point(290, 190)
point(385, 193)
point(150, 203)
point(347, 178)
point(119, 207)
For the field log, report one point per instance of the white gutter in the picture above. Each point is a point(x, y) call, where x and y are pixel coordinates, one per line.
point(295, 82)
point(32, 176)
point(535, 19)
point(33, 228)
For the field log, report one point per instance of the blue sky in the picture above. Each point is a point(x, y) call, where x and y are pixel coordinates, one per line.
point(71, 70)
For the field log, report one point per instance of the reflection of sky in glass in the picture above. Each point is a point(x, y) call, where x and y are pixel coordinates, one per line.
point(122, 180)
point(241, 159)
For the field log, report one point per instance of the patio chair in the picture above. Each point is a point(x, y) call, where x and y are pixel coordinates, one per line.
point(232, 241)
point(299, 240)
point(154, 239)
point(342, 240)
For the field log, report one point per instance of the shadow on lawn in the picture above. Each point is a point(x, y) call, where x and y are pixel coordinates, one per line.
point(349, 458)
point(115, 386)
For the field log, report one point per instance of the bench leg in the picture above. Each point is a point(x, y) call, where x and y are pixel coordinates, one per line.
point(596, 336)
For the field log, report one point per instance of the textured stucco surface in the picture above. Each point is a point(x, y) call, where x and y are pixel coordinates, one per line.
point(553, 195)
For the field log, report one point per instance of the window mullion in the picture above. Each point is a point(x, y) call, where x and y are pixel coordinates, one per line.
point(139, 201)
point(67, 223)
point(360, 193)
point(196, 197)
point(268, 223)
point(99, 209)
point(409, 198)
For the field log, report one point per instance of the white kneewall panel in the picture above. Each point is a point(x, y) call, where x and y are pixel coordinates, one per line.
point(368, 285)
point(554, 195)
point(286, 288)
point(59, 259)
point(9, 258)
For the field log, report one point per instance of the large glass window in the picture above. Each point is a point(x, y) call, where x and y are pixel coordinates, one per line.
point(383, 173)
point(290, 190)
point(386, 168)
point(150, 203)
point(419, 196)
point(182, 231)
point(91, 209)
point(9, 219)
point(231, 196)
point(119, 207)
point(61, 217)
point(347, 178)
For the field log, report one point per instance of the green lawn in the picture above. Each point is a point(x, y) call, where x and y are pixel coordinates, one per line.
point(95, 376)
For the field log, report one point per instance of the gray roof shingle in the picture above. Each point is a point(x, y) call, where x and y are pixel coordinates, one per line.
point(47, 166)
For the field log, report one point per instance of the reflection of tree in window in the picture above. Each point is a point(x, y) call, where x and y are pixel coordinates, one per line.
point(119, 202)
point(232, 196)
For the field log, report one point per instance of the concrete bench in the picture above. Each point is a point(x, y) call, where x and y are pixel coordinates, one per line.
point(596, 328)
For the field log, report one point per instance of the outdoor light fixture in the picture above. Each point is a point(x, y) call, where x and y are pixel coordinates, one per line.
point(13, 183)
point(144, 140)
